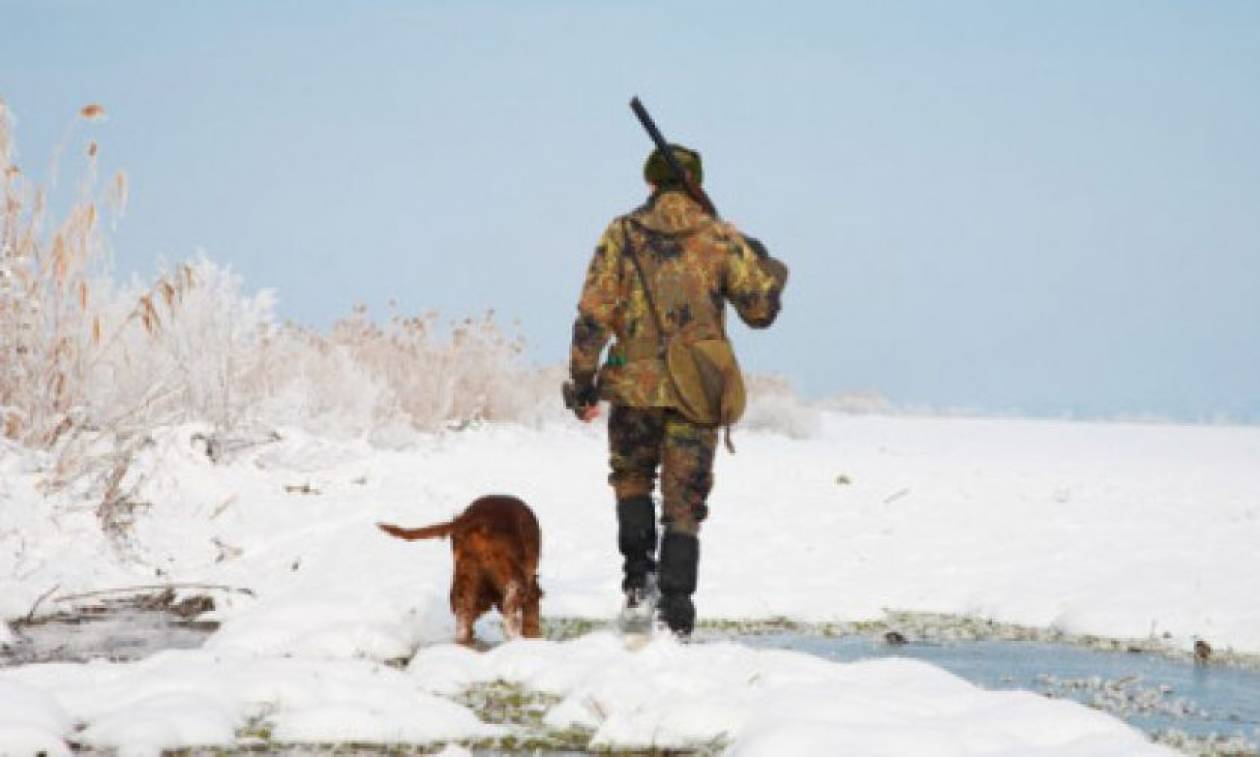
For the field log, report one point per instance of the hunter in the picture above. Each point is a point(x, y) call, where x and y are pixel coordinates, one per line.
point(693, 264)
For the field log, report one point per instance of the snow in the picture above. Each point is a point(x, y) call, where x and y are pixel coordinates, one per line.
point(31, 721)
point(193, 697)
point(671, 695)
point(664, 695)
point(1122, 530)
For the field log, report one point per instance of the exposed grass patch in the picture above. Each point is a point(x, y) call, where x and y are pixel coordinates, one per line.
point(499, 702)
point(563, 629)
point(294, 750)
point(504, 703)
point(406, 750)
point(257, 730)
point(1207, 746)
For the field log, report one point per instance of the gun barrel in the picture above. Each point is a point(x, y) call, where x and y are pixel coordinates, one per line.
point(661, 144)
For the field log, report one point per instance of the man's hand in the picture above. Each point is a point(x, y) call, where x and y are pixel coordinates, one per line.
point(581, 396)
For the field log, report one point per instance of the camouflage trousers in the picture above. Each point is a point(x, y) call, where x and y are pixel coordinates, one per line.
point(641, 439)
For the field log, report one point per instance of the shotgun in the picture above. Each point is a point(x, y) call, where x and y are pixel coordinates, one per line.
point(695, 190)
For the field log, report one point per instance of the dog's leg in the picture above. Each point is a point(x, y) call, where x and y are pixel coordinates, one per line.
point(463, 630)
point(530, 625)
point(514, 598)
point(464, 595)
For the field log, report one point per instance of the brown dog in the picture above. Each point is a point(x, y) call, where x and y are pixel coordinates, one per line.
point(496, 544)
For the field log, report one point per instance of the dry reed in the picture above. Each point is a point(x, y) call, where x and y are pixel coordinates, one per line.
point(45, 296)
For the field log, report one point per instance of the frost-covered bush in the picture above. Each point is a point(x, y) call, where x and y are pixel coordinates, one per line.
point(311, 383)
point(409, 373)
point(191, 346)
point(858, 403)
point(211, 352)
point(774, 406)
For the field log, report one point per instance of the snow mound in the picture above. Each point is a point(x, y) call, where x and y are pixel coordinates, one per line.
point(31, 721)
point(666, 695)
point(767, 702)
point(319, 628)
point(198, 698)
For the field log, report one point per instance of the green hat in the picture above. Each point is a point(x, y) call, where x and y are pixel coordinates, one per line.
point(657, 171)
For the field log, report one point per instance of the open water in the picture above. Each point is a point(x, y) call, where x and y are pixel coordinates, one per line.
point(1154, 693)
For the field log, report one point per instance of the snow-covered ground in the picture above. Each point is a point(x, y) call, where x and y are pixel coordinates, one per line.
point(1126, 530)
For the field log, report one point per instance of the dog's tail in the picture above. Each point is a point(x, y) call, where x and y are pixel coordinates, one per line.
point(436, 531)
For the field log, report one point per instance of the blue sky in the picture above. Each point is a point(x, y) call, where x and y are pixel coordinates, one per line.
point(1044, 207)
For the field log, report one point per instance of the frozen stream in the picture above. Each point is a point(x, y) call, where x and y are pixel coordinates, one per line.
point(122, 636)
point(1154, 693)
point(1211, 704)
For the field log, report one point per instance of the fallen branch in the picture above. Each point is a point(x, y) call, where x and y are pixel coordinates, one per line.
point(896, 496)
point(30, 616)
point(153, 587)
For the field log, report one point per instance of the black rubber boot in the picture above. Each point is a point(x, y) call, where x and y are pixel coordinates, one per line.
point(680, 561)
point(636, 538)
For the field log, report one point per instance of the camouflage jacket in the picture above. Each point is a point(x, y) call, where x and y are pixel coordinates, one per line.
point(694, 266)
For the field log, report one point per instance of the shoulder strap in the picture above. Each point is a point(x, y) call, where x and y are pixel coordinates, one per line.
point(628, 249)
point(662, 345)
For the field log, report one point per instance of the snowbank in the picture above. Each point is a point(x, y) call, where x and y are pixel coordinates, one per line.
point(31, 721)
point(665, 695)
point(196, 698)
point(774, 702)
